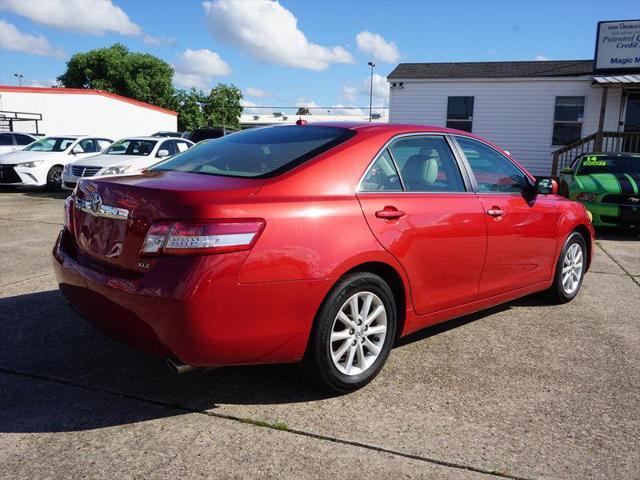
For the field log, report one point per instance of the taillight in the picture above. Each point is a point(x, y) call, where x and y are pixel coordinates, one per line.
point(68, 213)
point(201, 237)
point(589, 197)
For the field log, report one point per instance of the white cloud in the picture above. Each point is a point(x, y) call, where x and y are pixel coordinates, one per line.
point(247, 108)
point(268, 31)
point(541, 57)
point(255, 92)
point(376, 45)
point(89, 17)
point(13, 39)
point(197, 68)
point(351, 92)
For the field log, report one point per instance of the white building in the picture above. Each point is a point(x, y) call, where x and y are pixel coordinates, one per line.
point(530, 109)
point(248, 120)
point(79, 111)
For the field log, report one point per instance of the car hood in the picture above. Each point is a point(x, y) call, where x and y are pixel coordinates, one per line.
point(22, 156)
point(608, 183)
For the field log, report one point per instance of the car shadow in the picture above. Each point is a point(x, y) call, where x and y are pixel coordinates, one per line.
point(618, 234)
point(35, 192)
point(57, 373)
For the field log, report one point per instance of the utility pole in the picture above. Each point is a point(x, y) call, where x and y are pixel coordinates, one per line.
point(19, 77)
point(372, 65)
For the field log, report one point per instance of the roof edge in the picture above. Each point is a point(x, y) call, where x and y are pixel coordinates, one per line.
point(85, 91)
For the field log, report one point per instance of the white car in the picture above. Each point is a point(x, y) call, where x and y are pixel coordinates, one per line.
point(129, 155)
point(14, 141)
point(41, 162)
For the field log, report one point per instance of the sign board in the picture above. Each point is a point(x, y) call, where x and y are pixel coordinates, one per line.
point(618, 46)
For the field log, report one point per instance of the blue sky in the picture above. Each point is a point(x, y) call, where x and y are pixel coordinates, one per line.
point(297, 52)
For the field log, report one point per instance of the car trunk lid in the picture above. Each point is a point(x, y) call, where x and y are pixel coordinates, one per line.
point(113, 214)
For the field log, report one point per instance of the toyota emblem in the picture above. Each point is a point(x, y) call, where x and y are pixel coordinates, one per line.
point(96, 203)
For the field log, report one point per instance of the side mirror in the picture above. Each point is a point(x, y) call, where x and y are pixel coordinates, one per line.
point(162, 153)
point(546, 186)
point(567, 171)
point(77, 149)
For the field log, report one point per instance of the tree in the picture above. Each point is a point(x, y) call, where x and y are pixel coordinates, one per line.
point(222, 106)
point(303, 111)
point(115, 69)
point(188, 104)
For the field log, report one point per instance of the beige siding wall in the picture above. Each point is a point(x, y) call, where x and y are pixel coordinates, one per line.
point(516, 115)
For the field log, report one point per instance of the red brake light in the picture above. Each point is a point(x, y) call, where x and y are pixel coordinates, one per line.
point(201, 237)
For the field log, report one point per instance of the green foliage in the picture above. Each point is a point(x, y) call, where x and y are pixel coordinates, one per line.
point(147, 78)
point(222, 106)
point(117, 70)
point(302, 111)
point(188, 104)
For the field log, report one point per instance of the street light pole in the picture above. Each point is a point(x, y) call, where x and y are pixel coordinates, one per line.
point(19, 77)
point(372, 65)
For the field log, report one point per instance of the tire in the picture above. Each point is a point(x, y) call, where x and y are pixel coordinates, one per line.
point(565, 289)
point(54, 179)
point(359, 363)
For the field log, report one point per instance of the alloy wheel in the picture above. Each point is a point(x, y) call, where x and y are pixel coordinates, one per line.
point(358, 333)
point(572, 266)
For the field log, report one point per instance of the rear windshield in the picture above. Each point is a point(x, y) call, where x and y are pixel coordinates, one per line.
point(609, 164)
point(50, 144)
point(257, 153)
point(131, 147)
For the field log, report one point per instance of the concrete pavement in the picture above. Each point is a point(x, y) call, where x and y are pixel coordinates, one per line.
point(525, 390)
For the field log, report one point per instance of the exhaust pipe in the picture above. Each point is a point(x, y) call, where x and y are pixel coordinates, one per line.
point(179, 367)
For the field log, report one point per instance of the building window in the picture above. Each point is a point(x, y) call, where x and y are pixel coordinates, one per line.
point(460, 113)
point(567, 120)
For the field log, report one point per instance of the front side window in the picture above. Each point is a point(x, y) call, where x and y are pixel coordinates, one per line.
point(427, 164)
point(169, 146)
point(460, 113)
point(131, 147)
point(259, 152)
point(492, 170)
point(88, 145)
point(382, 176)
point(51, 144)
point(567, 120)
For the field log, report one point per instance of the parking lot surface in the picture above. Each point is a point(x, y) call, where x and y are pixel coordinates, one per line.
point(524, 390)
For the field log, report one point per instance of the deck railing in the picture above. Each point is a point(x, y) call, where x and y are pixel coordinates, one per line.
point(610, 142)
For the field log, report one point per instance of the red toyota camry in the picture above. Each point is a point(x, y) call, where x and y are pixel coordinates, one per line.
point(321, 244)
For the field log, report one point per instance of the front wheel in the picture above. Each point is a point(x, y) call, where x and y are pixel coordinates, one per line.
point(353, 334)
point(54, 179)
point(570, 269)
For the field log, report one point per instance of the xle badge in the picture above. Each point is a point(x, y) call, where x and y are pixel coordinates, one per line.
point(144, 265)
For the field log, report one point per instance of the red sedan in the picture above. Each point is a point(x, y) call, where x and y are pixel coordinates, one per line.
point(321, 244)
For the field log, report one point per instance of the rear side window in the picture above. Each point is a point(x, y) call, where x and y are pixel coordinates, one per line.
point(6, 139)
point(257, 153)
point(23, 139)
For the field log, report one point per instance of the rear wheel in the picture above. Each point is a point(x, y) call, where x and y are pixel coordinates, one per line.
point(54, 178)
point(353, 334)
point(570, 269)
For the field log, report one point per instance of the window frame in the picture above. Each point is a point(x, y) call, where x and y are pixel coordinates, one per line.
point(554, 122)
point(472, 176)
point(469, 119)
point(462, 168)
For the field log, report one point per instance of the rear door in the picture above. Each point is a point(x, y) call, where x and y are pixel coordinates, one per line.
point(521, 226)
point(422, 210)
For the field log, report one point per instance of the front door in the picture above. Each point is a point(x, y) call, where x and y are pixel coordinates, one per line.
point(420, 209)
point(521, 226)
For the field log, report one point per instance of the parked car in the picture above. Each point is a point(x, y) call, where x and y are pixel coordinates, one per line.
point(12, 142)
point(321, 244)
point(168, 134)
point(41, 162)
point(608, 184)
point(200, 134)
point(129, 155)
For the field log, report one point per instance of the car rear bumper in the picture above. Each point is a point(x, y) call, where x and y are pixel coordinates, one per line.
point(192, 308)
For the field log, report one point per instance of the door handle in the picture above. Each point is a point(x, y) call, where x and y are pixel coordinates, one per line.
point(495, 212)
point(390, 213)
